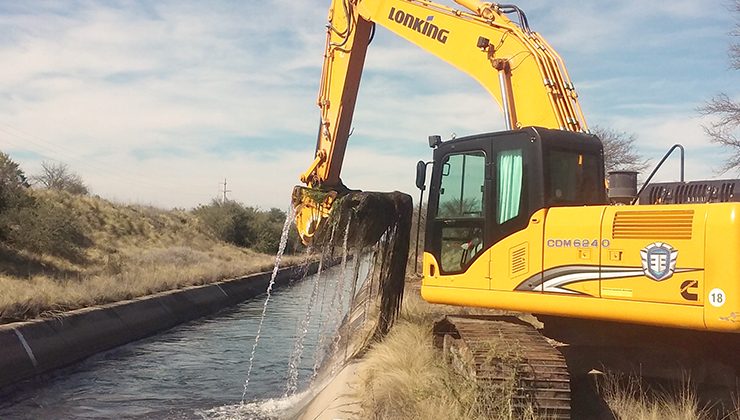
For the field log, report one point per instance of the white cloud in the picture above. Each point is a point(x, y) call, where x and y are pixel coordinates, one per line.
point(149, 102)
point(590, 27)
point(656, 133)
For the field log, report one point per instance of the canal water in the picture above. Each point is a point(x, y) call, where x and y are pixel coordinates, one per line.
point(196, 370)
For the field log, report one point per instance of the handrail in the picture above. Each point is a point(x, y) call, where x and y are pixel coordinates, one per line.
point(674, 147)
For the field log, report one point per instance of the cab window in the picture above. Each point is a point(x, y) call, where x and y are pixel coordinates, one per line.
point(572, 178)
point(461, 189)
point(509, 175)
point(460, 210)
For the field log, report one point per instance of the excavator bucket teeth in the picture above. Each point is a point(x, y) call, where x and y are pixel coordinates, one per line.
point(311, 208)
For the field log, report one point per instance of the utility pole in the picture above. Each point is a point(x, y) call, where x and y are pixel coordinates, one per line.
point(225, 191)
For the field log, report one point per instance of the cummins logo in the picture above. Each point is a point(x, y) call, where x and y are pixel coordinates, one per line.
point(424, 27)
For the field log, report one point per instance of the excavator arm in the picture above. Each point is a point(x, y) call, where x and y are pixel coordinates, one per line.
point(525, 76)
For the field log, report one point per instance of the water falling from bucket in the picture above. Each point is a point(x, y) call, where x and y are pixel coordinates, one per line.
point(295, 358)
point(289, 218)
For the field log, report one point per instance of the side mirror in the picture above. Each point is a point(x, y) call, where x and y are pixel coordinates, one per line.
point(434, 141)
point(421, 175)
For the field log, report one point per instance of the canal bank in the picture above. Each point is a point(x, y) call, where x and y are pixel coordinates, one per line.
point(340, 398)
point(33, 347)
point(197, 370)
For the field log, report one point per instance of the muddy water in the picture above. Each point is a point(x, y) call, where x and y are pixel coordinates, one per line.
point(196, 370)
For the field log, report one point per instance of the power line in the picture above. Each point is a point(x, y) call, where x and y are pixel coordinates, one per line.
point(69, 156)
point(56, 151)
point(48, 152)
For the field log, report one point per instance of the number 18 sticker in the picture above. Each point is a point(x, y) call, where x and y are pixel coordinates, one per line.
point(717, 297)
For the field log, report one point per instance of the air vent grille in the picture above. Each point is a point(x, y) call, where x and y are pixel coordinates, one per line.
point(719, 191)
point(519, 260)
point(658, 225)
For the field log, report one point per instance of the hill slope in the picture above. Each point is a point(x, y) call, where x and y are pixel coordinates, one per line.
point(123, 251)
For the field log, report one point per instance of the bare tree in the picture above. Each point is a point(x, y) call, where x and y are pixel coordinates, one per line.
point(460, 207)
point(620, 153)
point(58, 176)
point(724, 129)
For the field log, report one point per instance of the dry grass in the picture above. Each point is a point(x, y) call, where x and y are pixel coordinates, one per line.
point(628, 398)
point(735, 414)
point(134, 251)
point(406, 377)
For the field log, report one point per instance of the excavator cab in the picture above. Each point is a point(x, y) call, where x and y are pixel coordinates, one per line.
point(486, 187)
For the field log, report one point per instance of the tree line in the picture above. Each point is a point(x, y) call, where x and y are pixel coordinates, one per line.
point(40, 224)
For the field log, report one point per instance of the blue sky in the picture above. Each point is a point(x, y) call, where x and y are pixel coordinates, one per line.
point(158, 102)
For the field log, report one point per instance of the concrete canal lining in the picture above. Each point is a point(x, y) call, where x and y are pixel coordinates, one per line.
point(33, 347)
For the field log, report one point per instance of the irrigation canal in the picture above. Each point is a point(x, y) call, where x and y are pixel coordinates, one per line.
point(198, 370)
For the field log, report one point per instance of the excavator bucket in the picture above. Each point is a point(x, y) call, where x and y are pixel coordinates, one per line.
point(360, 221)
point(311, 208)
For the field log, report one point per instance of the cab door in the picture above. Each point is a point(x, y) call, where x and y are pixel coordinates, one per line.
point(516, 215)
point(458, 201)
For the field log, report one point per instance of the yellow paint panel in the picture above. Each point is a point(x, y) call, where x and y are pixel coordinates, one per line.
point(503, 255)
point(590, 288)
point(475, 277)
point(573, 238)
point(574, 306)
point(646, 289)
point(542, 92)
point(632, 229)
point(722, 267)
point(711, 244)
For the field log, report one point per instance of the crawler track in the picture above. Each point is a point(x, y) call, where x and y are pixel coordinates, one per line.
point(507, 353)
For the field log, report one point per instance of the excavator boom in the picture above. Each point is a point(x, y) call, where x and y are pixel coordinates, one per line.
point(525, 76)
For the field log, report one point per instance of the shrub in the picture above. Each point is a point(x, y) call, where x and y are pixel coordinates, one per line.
point(229, 221)
point(11, 176)
point(246, 226)
point(42, 225)
point(269, 228)
point(13, 194)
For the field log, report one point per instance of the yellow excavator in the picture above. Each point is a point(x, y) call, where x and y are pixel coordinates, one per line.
point(521, 220)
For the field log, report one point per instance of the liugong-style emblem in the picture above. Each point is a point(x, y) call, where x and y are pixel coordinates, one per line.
point(659, 260)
